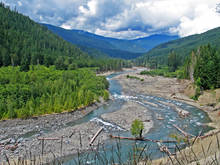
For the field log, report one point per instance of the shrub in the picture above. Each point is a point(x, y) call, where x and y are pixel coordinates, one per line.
point(137, 128)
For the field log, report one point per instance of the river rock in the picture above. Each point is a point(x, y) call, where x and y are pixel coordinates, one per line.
point(37, 135)
point(12, 141)
point(5, 142)
point(20, 140)
point(67, 142)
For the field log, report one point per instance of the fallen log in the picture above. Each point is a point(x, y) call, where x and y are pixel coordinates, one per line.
point(142, 139)
point(183, 99)
point(181, 112)
point(41, 138)
point(95, 136)
point(11, 147)
point(208, 135)
point(159, 117)
point(195, 137)
point(183, 132)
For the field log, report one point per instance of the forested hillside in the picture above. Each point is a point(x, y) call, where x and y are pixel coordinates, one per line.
point(89, 41)
point(182, 47)
point(41, 73)
point(24, 42)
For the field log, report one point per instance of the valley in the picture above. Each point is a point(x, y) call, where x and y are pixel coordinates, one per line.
point(130, 99)
point(67, 96)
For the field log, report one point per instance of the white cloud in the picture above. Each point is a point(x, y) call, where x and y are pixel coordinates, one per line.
point(19, 3)
point(205, 19)
point(125, 18)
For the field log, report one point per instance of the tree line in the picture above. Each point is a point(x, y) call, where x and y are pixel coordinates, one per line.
point(203, 65)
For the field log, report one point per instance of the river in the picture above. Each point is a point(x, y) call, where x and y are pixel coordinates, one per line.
point(162, 129)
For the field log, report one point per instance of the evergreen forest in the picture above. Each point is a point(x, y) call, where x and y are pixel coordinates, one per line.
point(40, 73)
point(24, 42)
point(204, 65)
point(44, 90)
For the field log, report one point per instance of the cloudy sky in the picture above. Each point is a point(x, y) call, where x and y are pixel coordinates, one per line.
point(126, 19)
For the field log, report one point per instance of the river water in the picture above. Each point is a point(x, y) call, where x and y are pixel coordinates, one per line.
point(162, 129)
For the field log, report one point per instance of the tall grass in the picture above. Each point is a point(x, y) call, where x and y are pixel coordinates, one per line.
point(139, 155)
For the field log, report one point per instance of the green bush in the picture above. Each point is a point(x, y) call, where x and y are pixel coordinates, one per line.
point(136, 128)
point(106, 95)
point(134, 77)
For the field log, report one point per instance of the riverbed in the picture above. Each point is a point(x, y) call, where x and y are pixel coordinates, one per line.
point(154, 101)
point(130, 99)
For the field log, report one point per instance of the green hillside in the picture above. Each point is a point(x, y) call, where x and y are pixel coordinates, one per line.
point(24, 42)
point(182, 47)
point(41, 73)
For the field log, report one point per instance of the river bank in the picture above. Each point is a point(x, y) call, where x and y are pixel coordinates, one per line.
point(174, 89)
point(19, 137)
point(22, 139)
point(170, 88)
point(76, 138)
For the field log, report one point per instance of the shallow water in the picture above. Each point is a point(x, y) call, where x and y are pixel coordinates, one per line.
point(161, 130)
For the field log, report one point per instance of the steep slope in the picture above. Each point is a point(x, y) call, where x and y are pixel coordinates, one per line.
point(118, 48)
point(86, 41)
point(80, 37)
point(185, 45)
point(22, 41)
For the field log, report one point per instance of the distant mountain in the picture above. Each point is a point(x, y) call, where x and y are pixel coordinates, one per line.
point(184, 46)
point(118, 48)
point(141, 45)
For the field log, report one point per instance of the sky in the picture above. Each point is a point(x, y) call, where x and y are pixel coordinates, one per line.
point(125, 19)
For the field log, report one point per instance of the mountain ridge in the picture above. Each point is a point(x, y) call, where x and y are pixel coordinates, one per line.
point(24, 42)
point(113, 47)
point(184, 46)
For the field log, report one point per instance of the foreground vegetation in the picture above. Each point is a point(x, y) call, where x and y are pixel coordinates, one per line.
point(44, 90)
point(200, 152)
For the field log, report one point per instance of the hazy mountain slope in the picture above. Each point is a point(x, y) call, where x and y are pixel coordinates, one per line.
point(141, 45)
point(118, 48)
